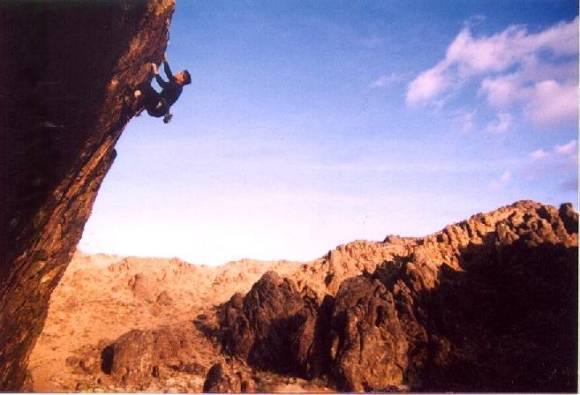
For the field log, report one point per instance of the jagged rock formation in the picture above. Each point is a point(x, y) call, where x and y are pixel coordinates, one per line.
point(274, 327)
point(63, 87)
point(489, 304)
point(325, 275)
point(370, 347)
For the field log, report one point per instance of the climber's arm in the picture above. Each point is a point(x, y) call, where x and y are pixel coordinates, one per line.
point(160, 81)
point(168, 72)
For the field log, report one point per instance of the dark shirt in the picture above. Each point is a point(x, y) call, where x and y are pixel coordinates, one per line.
point(170, 89)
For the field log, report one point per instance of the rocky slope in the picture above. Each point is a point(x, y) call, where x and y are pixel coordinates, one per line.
point(101, 298)
point(62, 90)
point(488, 304)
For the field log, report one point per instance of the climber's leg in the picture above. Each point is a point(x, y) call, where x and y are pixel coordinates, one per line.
point(157, 108)
point(151, 101)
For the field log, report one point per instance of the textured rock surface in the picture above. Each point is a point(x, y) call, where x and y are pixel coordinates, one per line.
point(63, 109)
point(476, 307)
point(370, 346)
point(137, 357)
point(273, 327)
point(170, 358)
point(95, 302)
point(488, 304)
point(219, 381)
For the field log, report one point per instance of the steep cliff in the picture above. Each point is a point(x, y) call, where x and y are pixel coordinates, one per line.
point(66, 70)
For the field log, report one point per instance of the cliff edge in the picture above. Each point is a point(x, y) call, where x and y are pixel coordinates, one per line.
point(67, 69)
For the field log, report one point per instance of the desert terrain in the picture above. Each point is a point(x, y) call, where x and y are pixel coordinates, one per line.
point(451, 311)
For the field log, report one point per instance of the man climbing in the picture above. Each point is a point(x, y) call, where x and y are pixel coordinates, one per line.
point(156, 103)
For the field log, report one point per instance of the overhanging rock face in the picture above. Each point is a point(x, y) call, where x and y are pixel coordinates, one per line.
point(66, 70)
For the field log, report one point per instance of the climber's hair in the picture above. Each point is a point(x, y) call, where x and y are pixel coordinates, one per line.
point(187, 77)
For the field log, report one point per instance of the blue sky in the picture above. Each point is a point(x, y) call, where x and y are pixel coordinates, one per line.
point(309, 124)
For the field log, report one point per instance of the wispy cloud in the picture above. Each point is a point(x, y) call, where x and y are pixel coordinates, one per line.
point(536, 71)
point(385, 81)
point(502, 181)
point(567, 149)
point(558, 162)
point(464, 121)
point(429, 84)
point(501, 124)
point(551, 101)
point(539, 154)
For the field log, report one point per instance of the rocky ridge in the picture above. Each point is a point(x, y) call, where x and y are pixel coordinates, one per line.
point(471, 308)
point(475, 307)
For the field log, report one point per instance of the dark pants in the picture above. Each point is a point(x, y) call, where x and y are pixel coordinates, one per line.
point(155, 105)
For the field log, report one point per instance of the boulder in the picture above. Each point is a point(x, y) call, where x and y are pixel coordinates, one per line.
point(140, 356)
point(273, 326)
point(217, 380)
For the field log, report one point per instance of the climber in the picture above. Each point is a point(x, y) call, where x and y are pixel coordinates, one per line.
point(156, 103)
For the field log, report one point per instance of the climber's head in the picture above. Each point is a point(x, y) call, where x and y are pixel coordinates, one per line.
point(183, 78)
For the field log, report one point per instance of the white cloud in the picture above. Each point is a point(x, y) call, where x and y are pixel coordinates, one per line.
point(568, 152)
point(465, 121)
point(428, 85)
point(566, 149)
point(385, 80)
point(501, 181)
point(501, 124)
point(561, 38)
point(551, 102)
point(560, 161)
point(539, 154)
point(537, 71)
point(474, 56)
point(501, 92)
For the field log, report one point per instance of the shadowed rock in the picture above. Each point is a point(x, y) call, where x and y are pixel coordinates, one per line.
point(476, 307)
point(488, 304)
point(138, 357)
point(218, 381)
point(71, 65)
point(273, 326)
